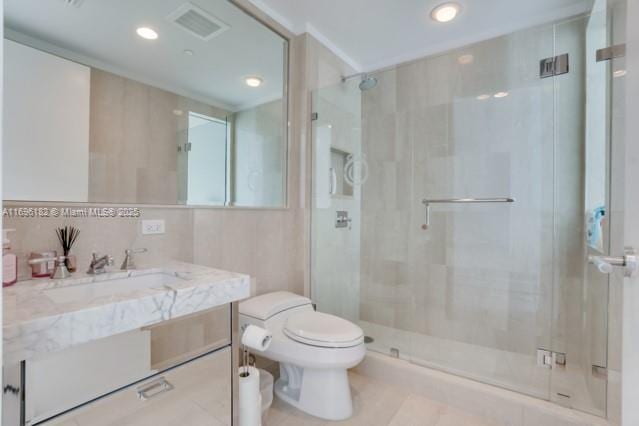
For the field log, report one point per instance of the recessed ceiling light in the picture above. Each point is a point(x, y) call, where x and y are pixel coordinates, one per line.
point(253, 81)
point(500, 94)
point(188, 52)
point(466, 59)
point(147, 33)
point(483, 97)
point(619, 73)
point(445, 12)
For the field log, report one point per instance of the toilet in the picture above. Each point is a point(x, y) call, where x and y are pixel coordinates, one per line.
point(314, 351)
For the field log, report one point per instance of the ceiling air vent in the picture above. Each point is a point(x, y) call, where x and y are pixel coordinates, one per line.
point(74, 3)
point(197, 22)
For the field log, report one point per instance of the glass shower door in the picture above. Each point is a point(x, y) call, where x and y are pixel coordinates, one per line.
point(477, 278)
point(581, 301)
point(472, 293)
point(336, 215)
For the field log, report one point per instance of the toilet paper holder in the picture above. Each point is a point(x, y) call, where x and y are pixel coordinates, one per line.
point(253, 337)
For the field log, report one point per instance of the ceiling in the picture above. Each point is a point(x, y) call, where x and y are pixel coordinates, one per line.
point(101, 33)
point(372, 34)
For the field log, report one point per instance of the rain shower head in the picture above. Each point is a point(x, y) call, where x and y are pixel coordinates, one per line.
point(367, 83)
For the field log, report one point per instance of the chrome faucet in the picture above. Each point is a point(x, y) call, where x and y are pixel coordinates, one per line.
point(98, 264)
point(128, 263)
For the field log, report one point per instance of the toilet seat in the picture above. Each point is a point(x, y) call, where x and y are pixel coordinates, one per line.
point(323, 330)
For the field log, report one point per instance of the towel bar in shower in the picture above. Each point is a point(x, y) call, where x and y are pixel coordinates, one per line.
point(427, 202)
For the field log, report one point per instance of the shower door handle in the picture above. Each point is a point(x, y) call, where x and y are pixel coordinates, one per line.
point(427, 202)
point(629, 262)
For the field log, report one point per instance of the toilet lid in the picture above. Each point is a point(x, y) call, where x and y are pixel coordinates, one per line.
point(318, 329)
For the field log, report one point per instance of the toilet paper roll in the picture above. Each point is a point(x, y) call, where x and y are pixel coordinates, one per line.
point(256, 338)
point(250, 398)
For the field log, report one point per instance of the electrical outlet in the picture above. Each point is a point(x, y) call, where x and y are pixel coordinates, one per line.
point(153, 227)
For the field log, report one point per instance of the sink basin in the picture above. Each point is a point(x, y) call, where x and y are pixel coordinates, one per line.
point(114, 287)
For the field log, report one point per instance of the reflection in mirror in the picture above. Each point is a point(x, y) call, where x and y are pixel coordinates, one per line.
point(100, 109)
point(206, 152)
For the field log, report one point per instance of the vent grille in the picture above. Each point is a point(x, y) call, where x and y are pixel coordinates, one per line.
point(197, 22)
point(74, 3)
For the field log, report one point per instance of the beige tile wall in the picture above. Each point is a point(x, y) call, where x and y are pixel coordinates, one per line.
point(106, 236)
point(262, 243)
point(134, 134)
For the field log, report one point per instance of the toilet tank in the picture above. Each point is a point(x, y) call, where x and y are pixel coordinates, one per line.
point(259, 309)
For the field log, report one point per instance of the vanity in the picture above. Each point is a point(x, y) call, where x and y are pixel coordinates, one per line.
point(154, 345)
point(127, 123)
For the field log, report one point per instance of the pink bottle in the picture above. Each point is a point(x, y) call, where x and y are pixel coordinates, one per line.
point(9, 261)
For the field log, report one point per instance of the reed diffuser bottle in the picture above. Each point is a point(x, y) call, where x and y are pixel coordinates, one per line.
point(67, 237)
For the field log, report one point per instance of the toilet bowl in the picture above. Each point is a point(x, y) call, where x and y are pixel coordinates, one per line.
point(314, 351)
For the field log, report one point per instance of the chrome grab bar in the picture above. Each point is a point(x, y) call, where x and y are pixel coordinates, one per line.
point(427, 202)
point(468, 200)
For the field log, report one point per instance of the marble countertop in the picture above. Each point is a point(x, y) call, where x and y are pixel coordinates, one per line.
point(36, 323)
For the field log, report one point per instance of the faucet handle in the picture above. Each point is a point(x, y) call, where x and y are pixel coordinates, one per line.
point(129, 252)
point(128, 263)
point(96, 256)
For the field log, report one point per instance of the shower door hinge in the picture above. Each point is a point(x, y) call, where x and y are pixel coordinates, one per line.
point(186, 147)
point(550, 359)
point(551, 67)
point(612, 52)
point(314, 116)
point(599, 371)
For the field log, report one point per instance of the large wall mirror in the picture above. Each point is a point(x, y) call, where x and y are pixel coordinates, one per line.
point(163, 102)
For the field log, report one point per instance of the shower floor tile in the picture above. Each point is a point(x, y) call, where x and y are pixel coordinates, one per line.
point(380, 404)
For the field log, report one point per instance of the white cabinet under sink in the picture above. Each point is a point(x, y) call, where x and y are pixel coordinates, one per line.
point(63, 380)
point(196, 393)
point(174, 373)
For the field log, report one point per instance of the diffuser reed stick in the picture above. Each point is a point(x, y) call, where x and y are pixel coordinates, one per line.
point(67, 237)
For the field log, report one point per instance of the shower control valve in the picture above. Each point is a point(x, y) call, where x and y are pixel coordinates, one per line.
point(342, 220)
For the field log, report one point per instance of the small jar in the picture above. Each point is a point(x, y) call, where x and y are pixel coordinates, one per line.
point(72, 262)
point(42, 270)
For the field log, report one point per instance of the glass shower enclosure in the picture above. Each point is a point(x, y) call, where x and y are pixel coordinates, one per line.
point(456, 200)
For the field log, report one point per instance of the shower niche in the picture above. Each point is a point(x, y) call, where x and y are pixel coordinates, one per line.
point(341, 185)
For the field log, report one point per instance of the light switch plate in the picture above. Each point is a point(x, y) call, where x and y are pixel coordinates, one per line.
point(153, 227)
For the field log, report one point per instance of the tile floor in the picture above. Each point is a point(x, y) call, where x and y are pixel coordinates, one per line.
point(505, 369)
point(380, 404)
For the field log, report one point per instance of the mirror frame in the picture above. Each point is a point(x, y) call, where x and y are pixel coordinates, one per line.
point(69, 55)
